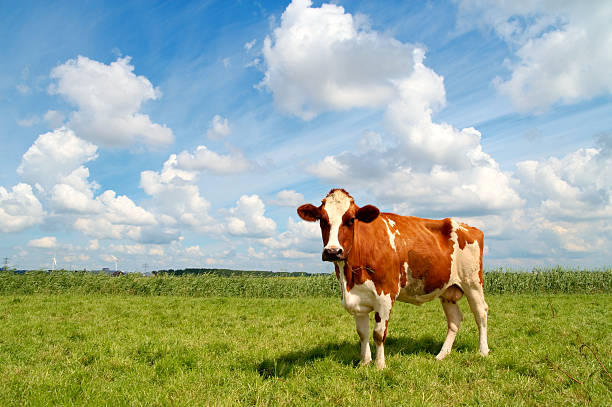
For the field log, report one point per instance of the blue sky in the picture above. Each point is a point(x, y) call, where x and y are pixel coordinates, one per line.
point(185, 134)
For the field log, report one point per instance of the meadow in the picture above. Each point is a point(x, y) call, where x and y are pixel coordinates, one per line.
point(69, 343)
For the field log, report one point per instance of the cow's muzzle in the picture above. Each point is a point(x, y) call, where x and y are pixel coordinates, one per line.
point(332, 254)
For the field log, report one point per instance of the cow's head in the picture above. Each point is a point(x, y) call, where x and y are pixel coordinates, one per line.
point(337, 215)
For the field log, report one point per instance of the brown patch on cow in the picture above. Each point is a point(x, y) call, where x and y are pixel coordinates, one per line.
point(452, 294)
point(465, 235)
point(425, 244)
point(386, 326)
point(331, 191)
point(337, 270)
point(403, 276)
point(378, 338)
point(377, 317)
point(429, 258)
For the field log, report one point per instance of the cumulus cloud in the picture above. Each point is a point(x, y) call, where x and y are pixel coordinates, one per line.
point(54, 156)
point(204, 159)
point(433, 167)
point(299, 235)
point(563, 48)
point(576, 186)
point(19, 208)
point(47, 242)
point(322, 59)
point(176, 197)
point(219, 128)
point(109, 99)
point(54, 118)
point(74, 193)
point(247, 218)
point(288, 197)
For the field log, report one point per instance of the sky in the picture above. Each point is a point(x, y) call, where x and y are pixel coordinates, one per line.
point(149, 135)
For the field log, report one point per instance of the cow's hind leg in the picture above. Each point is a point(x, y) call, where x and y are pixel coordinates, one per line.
point(480, 309)
point(453, 321)
point(362, 322)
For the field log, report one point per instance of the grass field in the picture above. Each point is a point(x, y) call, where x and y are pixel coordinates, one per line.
point(77, 349)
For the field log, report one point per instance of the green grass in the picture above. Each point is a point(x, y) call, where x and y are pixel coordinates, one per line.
point(177, 350)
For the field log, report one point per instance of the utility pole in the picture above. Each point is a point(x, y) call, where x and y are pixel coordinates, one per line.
point(5, 263)
point(145, 268)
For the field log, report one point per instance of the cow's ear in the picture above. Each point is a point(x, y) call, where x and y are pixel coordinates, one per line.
point(367, 214)
point(309, 212)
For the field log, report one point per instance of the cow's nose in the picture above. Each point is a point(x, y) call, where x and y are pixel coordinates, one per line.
point(332, 254)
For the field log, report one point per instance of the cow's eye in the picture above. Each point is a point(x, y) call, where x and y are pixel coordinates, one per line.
point(349, 222)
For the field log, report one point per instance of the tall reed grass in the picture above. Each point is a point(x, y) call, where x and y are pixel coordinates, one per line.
point(553, 280)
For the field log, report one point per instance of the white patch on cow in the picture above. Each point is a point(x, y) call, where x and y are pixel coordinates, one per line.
point(336, 205)
point(414, 290)
point(465, 263)
point(390, 224)
point(363, 298)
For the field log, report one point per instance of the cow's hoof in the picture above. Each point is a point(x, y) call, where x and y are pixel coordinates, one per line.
point(365, 362)
point(485, 353)
point(441, 356)
point(380, 365)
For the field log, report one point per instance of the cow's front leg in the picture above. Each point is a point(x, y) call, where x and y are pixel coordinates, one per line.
point(381, 316)
point(362, 321)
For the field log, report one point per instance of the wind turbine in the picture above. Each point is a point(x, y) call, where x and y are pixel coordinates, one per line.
point(115, 260)
point(54, 263)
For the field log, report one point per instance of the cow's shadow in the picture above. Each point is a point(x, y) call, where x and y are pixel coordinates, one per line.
point(345, 352)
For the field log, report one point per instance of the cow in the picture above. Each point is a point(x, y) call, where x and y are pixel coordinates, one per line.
point(380, 258)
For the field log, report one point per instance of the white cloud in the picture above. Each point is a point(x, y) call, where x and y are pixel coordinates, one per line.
point(54, 118)
point(577, 186)
point(46, 242)
point(156, 251)
point(204, 159)
point(255, 254)
point(288, 197)
point(296, 254)
point(99, 228)
point(300, 235)
point(94, 244)
point(176, 198)
point(563, 50)
point(74, 193)
point(19, 208)
point(53, 156)
point(122, 210)
point(247, 218)
point(323, 59)
point(219, 128)
point(28, 121)
point(131, 249)
point(23, 89)
point(109, 98)
point(249, 45)
point(433, 167)
point(194, 251)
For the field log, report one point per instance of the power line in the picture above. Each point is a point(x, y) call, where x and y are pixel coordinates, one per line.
point(5, 263)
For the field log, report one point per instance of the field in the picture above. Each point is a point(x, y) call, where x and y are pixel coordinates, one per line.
point(77, 346)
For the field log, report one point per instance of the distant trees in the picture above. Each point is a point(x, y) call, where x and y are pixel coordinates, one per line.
point(230, 273)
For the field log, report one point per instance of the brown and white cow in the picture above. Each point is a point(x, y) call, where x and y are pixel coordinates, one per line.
point(381, 258)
